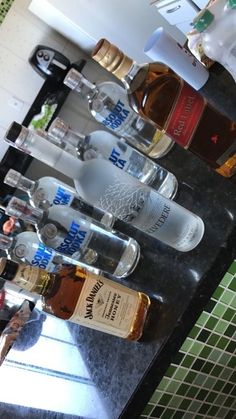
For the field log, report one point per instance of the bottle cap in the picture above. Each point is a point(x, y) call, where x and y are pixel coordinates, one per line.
point(203, 20)
point(58, 129)
point(231, 4)
point(13, 132)
point(12, 178)
point(8, 269)
point(112, 58)
point(5, 242)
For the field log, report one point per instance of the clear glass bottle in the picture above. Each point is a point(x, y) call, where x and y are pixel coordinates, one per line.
point(157, 93)
point(48, 191)
point(113, 190)
point(108, 104)
point(84, 298)
point(102, 144)
point(217, 25)
point(79, 237)
point(26, 247)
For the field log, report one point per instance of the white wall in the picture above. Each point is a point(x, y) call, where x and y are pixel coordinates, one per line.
point(20, 32)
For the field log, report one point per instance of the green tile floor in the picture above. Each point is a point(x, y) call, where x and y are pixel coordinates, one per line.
point(4, 7)
point(201, 382)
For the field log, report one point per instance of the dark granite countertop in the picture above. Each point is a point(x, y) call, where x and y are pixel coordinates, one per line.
point(119, 376)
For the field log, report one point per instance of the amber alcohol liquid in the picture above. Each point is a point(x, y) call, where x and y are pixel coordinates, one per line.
point(157, 93)
point(84, 298)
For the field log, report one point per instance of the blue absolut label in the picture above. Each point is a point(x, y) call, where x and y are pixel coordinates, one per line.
point(116, 160)
point(42, 257)
point(62, 196)
point(117, 116)
point(73, 240)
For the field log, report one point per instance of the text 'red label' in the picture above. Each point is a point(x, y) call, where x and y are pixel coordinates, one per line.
point(185, 116)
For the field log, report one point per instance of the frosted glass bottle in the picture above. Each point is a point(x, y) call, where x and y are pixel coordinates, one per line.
point(109, 105)
point(217, 25)
point(113, 190)
point(77, 236)
point(48, 191)
point(102, 144)
point(26, 247)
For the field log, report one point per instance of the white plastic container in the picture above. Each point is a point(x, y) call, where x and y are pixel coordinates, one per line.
point(217, 25)
point(162, 47)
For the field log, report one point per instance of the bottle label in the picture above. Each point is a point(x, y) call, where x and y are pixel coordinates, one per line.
point(106, 306)
point(62, 197)
point(75, 239)
point(43, 258)
point(140, 206)
point(27, 277)
point(185, 116)
point(117, 117)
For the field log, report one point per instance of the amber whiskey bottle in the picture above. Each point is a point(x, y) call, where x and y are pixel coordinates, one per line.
point(159, 94)
point(82, 297)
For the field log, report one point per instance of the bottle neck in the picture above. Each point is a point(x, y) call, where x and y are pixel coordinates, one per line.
point(88, 90)
point(32, 279)
point(26, 185)
point(128, 77)
point(47, 152)
point(20, 209)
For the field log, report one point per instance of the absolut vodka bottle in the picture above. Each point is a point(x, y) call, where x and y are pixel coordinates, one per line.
point(26, 247)
point(77, 236)
point(113, 190)
point(102, 144)
point(109, 105)
point(48, 191)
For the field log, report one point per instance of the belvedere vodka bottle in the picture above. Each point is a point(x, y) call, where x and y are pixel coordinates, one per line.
point(109, 105)
point(26, 247)
point(113, 190)
point(77, 236)
point(102, 144)
point(48, 191)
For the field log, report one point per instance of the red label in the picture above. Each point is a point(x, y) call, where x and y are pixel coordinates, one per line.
point(2, 298)
point(185, 115)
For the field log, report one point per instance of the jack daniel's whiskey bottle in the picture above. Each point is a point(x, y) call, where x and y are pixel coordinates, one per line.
point(159, 94)
point(82, 297)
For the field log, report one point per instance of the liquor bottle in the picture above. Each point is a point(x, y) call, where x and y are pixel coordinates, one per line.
point(27, 248)
point(113, 190)
point(48, 191)
point(108, 104)
point(84, 298)
point(69, 232)
point(102, 144)
point(157, 93)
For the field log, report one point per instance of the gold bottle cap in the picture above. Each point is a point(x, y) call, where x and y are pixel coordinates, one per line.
point(112, 58)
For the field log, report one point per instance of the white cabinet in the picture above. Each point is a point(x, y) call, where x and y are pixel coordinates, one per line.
point(179, 13)
point(126, 23)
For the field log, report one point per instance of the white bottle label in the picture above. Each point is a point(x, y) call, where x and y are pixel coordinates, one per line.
point(150, 212)
point(43, 258)
point(52, 193)
point(76, 238)
point(29, 249)
point(106, 306)
point(62, 197)
point(26, 277)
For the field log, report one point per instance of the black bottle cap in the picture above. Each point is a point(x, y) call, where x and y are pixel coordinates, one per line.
point(13, 132)
point(8, 269)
